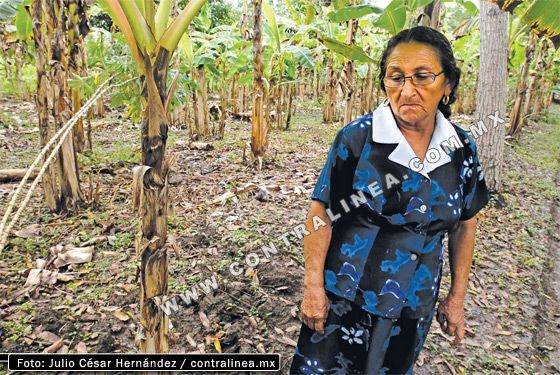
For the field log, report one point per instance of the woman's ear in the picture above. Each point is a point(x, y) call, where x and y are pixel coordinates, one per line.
point(448, 89)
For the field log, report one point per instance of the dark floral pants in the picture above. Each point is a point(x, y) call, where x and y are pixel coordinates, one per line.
point(357, 342)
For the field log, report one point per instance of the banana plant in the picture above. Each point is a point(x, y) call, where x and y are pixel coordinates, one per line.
point(152, 40)
point(16, 32)
point(223, 53)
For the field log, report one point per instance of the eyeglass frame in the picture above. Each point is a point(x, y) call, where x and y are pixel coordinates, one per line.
point(412, 79)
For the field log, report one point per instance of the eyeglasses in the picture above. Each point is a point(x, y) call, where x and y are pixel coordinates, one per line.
point(418, 79)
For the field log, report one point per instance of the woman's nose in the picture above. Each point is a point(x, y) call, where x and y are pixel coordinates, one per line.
point(408, 88)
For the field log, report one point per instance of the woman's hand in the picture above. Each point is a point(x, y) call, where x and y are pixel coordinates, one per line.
point(451, 317)
point(314, 308)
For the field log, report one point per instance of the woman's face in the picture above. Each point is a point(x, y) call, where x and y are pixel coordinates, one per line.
point(414, 104)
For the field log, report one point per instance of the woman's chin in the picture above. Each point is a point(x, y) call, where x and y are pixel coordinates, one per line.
point(410, 117)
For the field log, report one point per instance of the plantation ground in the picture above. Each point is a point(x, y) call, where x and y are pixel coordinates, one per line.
point(221, 212)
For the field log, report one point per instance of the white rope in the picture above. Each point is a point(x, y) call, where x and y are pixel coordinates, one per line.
point(62, 133)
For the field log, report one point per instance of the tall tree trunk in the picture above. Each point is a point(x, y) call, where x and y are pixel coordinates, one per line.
point(515, 119)
point(492, 89)
point(258, 130)
point(347, 79)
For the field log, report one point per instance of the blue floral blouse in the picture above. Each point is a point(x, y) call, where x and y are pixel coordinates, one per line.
point(390, 211)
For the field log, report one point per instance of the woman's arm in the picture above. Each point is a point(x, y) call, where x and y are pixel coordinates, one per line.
point(315, 305)
point(461, 249)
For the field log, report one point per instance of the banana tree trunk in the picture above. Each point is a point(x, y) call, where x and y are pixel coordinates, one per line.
point(367, 92)
point(202, 98)
point(151, 201)
point(17, 63)
point(315, 85)
point(542, 97)
point(431, 14)
point(347, 79)
point(61, 184)
point(301, 85)
point(258, 130)
point(234, 93)
point(196, 126)
point(291, 90)
point(50, 188)
point(77, 63)
point(529, 94)
point(279, 100)
point(543, 65)
point(329, 111)
point(520, 92)
point(223, 109)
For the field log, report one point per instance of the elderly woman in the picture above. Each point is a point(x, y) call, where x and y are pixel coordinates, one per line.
point(396, 181)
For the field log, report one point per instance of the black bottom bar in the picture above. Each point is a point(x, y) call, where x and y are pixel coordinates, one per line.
point(143, 362)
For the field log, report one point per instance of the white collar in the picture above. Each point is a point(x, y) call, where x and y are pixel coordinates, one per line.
point(385, 130)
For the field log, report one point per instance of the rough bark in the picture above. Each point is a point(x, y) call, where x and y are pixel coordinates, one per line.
point(491, 90)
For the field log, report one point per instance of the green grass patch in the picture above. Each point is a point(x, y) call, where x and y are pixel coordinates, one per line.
point(541, 147)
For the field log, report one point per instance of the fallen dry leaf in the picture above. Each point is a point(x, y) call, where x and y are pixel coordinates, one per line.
point(54, 347)
point(121, 315)
point(48, 337)
point(70, 254)
point(29, 232)
point(41, 276)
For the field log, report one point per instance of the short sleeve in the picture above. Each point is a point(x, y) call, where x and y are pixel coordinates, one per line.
point(475, 191)
point(336, 176)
